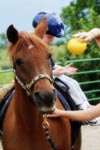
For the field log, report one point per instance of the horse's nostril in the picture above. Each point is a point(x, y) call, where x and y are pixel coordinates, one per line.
point(39, 95)
point(36, 94)
point(46, 98)
point(54, 91)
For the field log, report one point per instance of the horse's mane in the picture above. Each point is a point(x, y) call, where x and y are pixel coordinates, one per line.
point(26, 39)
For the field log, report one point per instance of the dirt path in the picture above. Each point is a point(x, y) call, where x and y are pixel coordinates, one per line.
point(90, 138)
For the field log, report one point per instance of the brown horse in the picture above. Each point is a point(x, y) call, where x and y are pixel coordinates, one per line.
point(23, 125)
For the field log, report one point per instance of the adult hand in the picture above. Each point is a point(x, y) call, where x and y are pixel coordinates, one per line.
point(83, 36)
point(88, 36)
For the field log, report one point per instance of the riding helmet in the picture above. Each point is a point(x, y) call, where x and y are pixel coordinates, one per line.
point(55, 24)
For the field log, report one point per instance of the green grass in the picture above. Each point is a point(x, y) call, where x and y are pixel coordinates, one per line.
point(5, 63)
point(6, 78)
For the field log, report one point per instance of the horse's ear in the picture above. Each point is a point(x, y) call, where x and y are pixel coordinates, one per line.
point(12, 34)
point(41, 28)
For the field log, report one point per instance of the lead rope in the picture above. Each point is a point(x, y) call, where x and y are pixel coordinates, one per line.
point(45, 126)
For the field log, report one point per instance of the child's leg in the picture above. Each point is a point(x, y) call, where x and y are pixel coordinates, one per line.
point(76, 92)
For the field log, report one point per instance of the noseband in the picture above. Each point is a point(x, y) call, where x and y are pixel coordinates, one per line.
point(27, 87)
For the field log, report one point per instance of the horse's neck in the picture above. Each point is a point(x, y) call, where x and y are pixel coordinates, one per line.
point(24, 108)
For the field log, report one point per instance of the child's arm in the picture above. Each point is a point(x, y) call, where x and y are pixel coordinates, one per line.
point(60, 70)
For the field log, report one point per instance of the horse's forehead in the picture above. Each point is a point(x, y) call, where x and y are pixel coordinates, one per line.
point(29, 41)
point(30, 38)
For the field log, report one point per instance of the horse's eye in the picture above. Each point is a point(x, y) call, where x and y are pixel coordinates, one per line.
point(19, 61)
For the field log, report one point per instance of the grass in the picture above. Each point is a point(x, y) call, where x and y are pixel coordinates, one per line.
point(5, 63)
point(4, 58)
point(6, 78)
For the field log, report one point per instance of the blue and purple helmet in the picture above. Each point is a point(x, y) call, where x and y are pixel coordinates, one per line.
point(55, 24)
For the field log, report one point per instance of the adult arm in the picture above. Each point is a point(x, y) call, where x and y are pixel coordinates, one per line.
point(88, 36)
point(79, 115)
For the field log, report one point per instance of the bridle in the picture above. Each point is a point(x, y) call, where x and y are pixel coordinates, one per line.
point(27, 87)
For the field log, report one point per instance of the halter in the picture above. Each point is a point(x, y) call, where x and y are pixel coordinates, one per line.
point(27, 87)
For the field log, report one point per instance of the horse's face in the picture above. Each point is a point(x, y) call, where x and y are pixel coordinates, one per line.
point(32, 65)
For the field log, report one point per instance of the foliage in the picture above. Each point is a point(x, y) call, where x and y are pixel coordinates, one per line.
point(3, 40)
point(59, 53)
point(5, 63)
point(6, 78)
point(84, 15)
point(81, 16)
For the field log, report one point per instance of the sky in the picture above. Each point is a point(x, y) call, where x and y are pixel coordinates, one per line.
point(20, 13)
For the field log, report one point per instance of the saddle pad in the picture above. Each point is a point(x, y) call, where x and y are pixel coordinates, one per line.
point(63, 101)
point(64, 91)
point(4, 104)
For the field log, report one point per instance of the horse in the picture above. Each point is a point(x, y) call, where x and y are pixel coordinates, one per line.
point(25, 125)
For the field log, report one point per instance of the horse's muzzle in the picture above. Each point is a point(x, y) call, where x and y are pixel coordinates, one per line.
point(45, 100)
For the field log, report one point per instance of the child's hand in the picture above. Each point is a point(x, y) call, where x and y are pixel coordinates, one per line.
point(69, 69)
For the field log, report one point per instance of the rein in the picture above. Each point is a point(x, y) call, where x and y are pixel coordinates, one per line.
point(45, 126)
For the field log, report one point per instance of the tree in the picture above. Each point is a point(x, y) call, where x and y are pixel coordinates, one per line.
point(3, 40)
point(83, 16)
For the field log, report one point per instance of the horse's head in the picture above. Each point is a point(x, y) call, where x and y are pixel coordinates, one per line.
point(32, 65)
